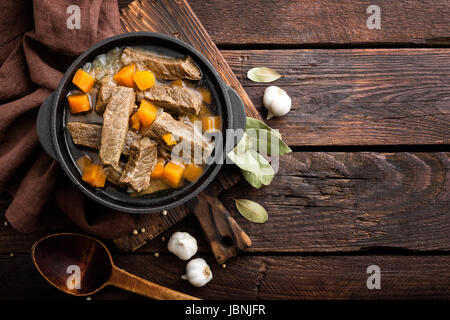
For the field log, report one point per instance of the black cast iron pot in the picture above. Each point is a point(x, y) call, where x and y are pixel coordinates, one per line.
point(55, 139)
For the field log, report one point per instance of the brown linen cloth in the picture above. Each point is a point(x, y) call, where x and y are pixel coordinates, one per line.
point(36, 47)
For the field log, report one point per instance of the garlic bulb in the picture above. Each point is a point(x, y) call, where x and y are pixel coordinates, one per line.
point(183, 245)
point(198, 272)
point(276, 101)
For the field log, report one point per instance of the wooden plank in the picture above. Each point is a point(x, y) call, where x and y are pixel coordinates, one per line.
point(12, 241)
point(279, 277)
point(255, 277)
point(353, 201)
point(348, 202)
point(321, 22)
point(152, 225)
point(356, 97)
point(335, 202)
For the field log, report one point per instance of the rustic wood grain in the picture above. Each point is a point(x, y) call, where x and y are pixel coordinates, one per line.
point(332, 202)
point(153, 225)
point(255, 277)
point(356, 97)
point(352, 201)
point(319, 202)
point(335, 202)
point(221, 230)
point(321, 22)
point(224, 235)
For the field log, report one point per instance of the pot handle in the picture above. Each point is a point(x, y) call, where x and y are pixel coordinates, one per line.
point(43, 126)
point(239, 116)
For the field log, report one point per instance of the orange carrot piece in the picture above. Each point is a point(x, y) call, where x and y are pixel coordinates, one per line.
point(178, 83)
point(158, 170)
point(192, 172)
point(173, 173)
point(83, 80)
point(169, 139)
point(135, 123)
point(78, 103)
point(125, 76)
point(144, 79)
point(147, 113)
point(94, 175)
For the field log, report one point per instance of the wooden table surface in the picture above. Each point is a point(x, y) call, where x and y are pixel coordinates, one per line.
point(368, 182)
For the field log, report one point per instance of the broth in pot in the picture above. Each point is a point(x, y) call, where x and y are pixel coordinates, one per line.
point(137, 121)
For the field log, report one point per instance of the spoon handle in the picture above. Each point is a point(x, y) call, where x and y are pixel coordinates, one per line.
point(127, 281)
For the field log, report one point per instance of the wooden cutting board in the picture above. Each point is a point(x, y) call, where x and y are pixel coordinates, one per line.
point(176, 18)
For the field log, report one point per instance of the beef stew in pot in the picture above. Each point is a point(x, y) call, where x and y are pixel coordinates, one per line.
point(131, 112)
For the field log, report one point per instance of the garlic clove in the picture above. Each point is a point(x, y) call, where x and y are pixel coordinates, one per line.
point(276, 101)
point(269, 95)
point(183, 245)
point(281, 105)
point(198, 273)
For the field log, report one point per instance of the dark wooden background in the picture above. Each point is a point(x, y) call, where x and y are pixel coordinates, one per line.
point(368, 181)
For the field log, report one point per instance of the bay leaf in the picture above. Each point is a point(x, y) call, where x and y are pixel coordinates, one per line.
point(252, 179)
point(252, 123)
point(261, 174)
point(251, 210)
point(265, 136)
point(242, 158)
point(263, 74)
point(264, 141)
point(283, 148)
point(245, 161)
point(265, 171)
point(247, 155)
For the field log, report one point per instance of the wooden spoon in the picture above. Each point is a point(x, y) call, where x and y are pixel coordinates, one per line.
point(54, 254)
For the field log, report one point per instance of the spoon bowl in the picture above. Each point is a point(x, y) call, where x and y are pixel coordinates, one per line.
point(80, 265)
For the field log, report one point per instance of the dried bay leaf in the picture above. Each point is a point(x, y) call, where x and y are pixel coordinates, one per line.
point(251, 210)
point(255, 168)
point(265, 136)
point(263, 74)
point(252, 179)
point(260, 175)
point(241, 156)
point(253, 123)
point(258, 139)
